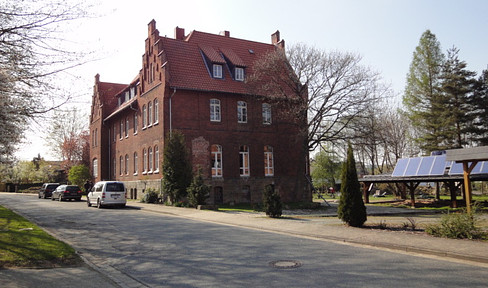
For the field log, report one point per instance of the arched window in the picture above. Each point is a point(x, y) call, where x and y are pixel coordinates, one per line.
point(216, 160)
point(156, 159)
point(144, 161)
point(268, 161)
point(241, 112)
point(95, 167)
point(156, 111)
point(144, 117)
point(266, 113)
point(215, 110)
point(150, 159)
point(126, 168)
point(121, 162)
point(244, 169)
point(135, 123)
point(136, 165)
point(149, 114)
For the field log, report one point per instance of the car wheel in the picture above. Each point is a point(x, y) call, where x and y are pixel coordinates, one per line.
point(78, 199)
point(99, 205)
point(88, 202)
point(39, 195)
point(60, 198)
point(52, 198)
point(44, 196)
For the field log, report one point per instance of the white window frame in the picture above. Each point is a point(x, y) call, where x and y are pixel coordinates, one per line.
point(244, 165)
point(136, 165)
point(217, 71)
point(268, 161)
point(156, 111)
point(149, 114)
point(215, 111)
point(156, 159)
point(239, 73)
point(267, 119)
point(121, 129)
point(144, 117)
point(150, 159)
point(241, 112)
point(126, 168)
point(216, 160)
point(135, 123)
point(127, 127)
point(95, 167)
point(121, 162)
point(144, 161)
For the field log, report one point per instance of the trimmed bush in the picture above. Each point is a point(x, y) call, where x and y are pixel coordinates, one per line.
point(351, 207)
point(272, 202)
point(151, 196)
point(198, 192)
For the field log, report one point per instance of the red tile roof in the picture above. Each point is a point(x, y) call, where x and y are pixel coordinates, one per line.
point(107, 92)
point(187, 67)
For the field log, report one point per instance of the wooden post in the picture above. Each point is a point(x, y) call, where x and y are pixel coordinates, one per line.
point(467, 182)
point(365, 191)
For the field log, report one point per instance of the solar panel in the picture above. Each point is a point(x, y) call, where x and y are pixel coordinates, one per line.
point(412, 167)
point(400, 167)
point(425, 165)
point(439, 165)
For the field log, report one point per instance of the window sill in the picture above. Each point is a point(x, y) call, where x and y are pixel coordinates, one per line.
point(135, 174)
point(156, 171)
point(144, 173)
point(135, 133)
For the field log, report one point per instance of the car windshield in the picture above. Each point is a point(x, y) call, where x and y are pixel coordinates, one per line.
point(115, 187)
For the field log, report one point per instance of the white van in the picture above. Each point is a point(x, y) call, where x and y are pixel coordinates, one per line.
point(107, 193)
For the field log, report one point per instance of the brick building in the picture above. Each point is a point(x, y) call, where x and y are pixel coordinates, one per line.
point(195, 84)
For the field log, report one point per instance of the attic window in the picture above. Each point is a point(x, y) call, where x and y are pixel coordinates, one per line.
point(239, 73)
point(217, 71)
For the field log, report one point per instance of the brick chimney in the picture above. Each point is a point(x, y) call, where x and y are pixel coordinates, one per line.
point(275, 40)
point(225, 33)
point(179, 33)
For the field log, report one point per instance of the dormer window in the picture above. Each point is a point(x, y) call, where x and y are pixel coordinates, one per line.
point(239, 73)
point(217, 71)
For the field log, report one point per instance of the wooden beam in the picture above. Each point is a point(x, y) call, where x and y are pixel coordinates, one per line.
point(467, 168)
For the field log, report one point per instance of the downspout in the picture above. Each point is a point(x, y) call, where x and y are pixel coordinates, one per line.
point(170, 115)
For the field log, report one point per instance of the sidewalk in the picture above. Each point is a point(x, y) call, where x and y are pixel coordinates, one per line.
point(327, 227)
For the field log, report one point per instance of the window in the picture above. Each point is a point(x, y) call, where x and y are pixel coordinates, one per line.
point(149, 114)
point(121, 162)
point(239, 74)
point(241, 112)
point(215, 110)
point(135, 123)
point(244, 160)
point(268, 161)
point(144, 116)
point(96, 137)
point(150, 159)
point(126, 167)
point(114, 161)
point(156, 159)
point(126, 127)
point(136, 165)
point(121, 129)
point(95, 167)
point(266, 113)
point(156, 111)
point(115, 132)
point(144, 161)
point(216, 159)
point(217, 71)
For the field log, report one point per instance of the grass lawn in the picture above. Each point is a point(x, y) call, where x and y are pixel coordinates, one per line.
point(24, 244)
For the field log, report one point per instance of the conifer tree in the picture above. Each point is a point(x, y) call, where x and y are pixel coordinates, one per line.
point(479, 107)
point(198, 191)
point(272, 202)
point(351, 207)
point(423, 99)
point(177, 169)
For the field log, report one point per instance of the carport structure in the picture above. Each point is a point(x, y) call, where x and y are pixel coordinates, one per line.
point(456, 167)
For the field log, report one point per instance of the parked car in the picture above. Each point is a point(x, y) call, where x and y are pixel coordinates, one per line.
point(107, 193)
point(47, 190)
point(67, 192)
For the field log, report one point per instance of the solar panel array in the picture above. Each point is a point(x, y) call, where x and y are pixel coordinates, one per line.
point(433, 166)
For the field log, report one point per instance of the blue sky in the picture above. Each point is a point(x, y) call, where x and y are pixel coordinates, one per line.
point(384, 32)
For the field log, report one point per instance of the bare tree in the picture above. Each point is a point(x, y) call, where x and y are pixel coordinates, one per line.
point(326, 90)
point(31, 54)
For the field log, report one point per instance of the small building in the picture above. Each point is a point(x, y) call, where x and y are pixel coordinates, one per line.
point(196, 83)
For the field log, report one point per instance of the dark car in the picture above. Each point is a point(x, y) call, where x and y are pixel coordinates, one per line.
point(47, 190)
point(67, 192)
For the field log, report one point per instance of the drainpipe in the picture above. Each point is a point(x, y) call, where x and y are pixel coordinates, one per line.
point(170, 115)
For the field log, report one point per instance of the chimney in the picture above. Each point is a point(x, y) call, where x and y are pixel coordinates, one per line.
point(275, 37)
point(97, 78)
point(151, 27)
point(179, 33)
point(225, 33)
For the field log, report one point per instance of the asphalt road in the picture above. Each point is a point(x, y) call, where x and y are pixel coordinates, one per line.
point(155, 250)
